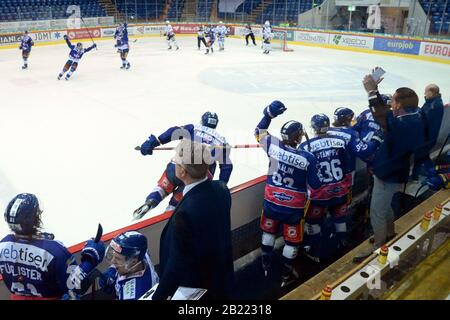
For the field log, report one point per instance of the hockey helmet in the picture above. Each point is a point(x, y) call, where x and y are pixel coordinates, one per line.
point(23, 214)
point(320, 123)
point(292, 132)
point(127, 249)
point(210, 120)
point(343, 117)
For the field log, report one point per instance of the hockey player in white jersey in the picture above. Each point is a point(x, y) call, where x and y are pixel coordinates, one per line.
point(222, 32)
point(267, 37)
point(170, 36)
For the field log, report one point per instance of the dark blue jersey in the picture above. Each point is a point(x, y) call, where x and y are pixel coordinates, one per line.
point(75, 54)
point(205, 135)
point(26, 43)
point(36, 268)
point(366, 126)
point(135, 285)
point(332, 157)
point(355, 146)
point(291, 173)
point(121, 35)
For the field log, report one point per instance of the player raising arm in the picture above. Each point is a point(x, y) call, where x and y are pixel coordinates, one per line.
point(122, 45)
point(75, 55)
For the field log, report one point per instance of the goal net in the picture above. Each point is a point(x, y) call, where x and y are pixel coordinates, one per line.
point(279, 41)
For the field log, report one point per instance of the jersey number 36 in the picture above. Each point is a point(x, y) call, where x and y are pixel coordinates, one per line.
point(331, 170)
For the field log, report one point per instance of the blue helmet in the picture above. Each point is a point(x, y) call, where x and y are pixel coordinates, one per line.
point(130, 244)
point(343, 116)
point(320, 123)
point(23, 214)
point(387, 99)
point(210, 120)
point(292, 132)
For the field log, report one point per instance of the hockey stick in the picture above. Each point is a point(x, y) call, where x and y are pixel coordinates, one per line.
point(238, 146)
point(99, 234)
point(88, 31)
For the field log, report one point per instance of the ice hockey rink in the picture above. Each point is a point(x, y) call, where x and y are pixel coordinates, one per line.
point(72, 142)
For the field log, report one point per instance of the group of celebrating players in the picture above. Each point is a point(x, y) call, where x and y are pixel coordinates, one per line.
point(205, 34)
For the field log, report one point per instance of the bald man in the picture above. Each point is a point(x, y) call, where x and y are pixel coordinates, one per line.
point(432, 112)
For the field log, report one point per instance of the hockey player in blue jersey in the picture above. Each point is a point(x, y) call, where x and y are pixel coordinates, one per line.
point(25, 45)
point(205, 132)
point(210, 33)
point(121, 36)
point(291, 173)
point(131, 273)
point(75, 55)
point(33, 265)
point(332, 157)
point(366, 126)
point(356, 147)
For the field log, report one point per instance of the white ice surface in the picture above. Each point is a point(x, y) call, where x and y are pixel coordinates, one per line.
point(71, 143)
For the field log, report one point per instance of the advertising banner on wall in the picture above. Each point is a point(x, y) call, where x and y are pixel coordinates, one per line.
point(108, 32)
point(138, 30)
point(435, 49)
point(185, 28)
point(311, 37)
point(352, 41)
point(10, 38)
point(405, 46)
point(154, 29)
point(241, 31)
point(84, 33)
point(279, 34)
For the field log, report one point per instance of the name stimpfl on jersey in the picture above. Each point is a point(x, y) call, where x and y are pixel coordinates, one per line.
point(287, 157)
point(326, 154)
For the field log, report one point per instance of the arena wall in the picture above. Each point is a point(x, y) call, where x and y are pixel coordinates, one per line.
point(416, 48)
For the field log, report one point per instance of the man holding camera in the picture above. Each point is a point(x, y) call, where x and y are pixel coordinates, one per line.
point(404, 136)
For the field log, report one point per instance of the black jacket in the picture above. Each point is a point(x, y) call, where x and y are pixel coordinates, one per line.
point(195, 249)
point(433, 111)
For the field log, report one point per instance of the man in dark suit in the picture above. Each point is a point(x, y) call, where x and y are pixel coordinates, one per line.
point(195, 249)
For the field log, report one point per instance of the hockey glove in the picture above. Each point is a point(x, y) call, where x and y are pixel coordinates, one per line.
point(148, 146)
point(70, 295)
point(146, 207)
point(274, 109)
point(94, 252)
point(65, 37)
point(107, 281)
point(440, 181)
